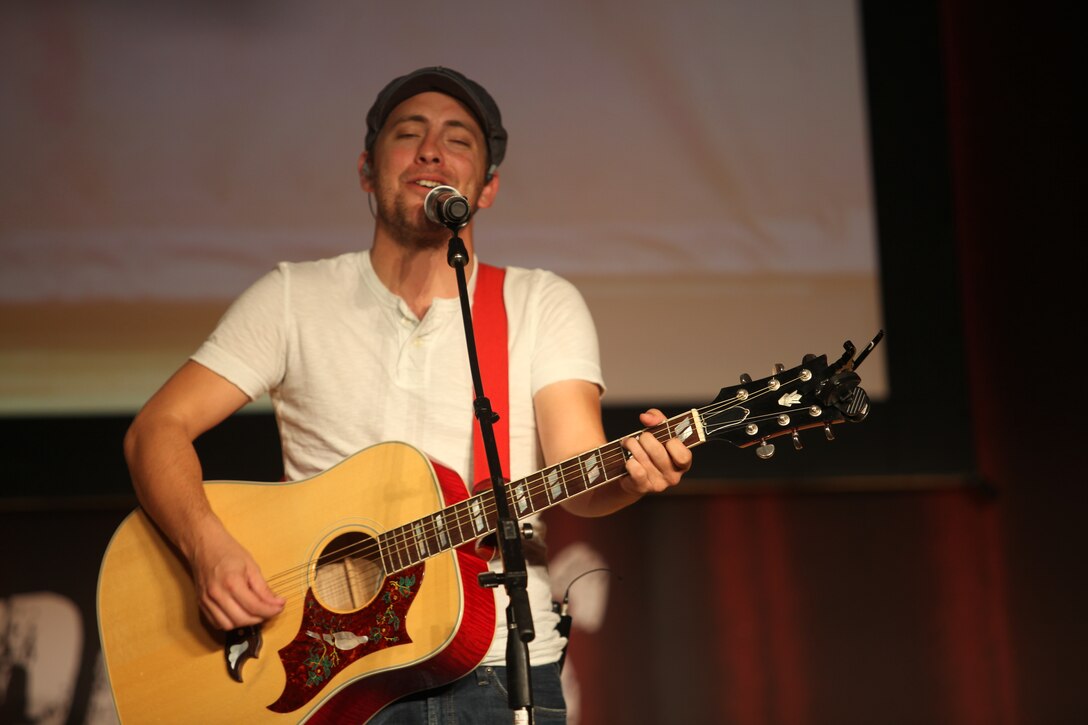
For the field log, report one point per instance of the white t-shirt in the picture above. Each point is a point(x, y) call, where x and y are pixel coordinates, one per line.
point(348, 365)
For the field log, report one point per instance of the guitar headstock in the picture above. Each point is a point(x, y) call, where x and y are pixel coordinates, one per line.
point(812, 395)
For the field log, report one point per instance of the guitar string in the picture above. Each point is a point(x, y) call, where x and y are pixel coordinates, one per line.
point(532, 488)
point(400, 547)
point(429, 531)
point(428, 528)
point(425, 532)
point(413, 540)
point(398, 542)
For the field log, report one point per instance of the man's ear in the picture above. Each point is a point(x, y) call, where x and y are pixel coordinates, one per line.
point(366, 173)
point(488, 192)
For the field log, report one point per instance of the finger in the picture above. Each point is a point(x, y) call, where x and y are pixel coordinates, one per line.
point(640, 466)
point(226, 612)
point(215, 614)
point(670, 456)
point(251, 604)
point(263, 604)
point(658, 452)
point(666, 462)
point(653, 416)
point(230, 596)
point(260, 587)
point(636, 465)
point(637, 481)
point(680, 455)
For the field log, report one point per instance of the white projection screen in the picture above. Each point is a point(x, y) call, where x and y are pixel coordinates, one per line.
point(698, 169)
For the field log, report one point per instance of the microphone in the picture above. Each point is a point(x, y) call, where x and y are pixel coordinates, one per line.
point(444, 205)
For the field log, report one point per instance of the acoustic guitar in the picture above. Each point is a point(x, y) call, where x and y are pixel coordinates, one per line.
point(378, 562)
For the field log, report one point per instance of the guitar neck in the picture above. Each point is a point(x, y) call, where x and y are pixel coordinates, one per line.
point(476, 517)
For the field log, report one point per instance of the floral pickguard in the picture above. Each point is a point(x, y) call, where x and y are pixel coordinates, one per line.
point(327, 642)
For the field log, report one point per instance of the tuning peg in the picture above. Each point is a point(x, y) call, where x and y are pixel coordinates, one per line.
point(828, 433)
point(778, 368)
point(745, 378)
point(765, 451)
point(797, 445)
point(809, 357)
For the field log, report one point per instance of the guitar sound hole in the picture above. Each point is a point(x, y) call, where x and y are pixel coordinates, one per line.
point(349, 572)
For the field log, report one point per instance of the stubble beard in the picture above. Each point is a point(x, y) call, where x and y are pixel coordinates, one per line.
point(407, 225)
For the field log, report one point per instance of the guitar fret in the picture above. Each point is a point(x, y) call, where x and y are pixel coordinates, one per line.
point(614, 454)
point(538, 491)
point(462, 519)
point(390, 551)
point(423, 540)
point(440, 529)
point(477, 518)
point(591, 471)
point(426, 537)
point(406, 545)
point(553, 485)
point(383, 553)
point(405, 548)
point(491, 512)
point(685, 428)
point(522, 502)
point(434, 543)
point(396, 550)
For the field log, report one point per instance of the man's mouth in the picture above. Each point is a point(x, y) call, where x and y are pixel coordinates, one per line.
point(428, 183)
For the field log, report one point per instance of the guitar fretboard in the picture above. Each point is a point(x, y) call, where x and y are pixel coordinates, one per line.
point(477, 516)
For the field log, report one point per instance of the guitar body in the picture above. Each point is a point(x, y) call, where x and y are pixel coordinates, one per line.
point(335, 653)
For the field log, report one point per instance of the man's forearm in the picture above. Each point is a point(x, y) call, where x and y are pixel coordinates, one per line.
point(167, 478)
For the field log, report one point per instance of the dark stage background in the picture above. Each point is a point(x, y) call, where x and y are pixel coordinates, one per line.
point(925, 567)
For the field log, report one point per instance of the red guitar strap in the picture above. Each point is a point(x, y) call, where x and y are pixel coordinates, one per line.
point(489, 323)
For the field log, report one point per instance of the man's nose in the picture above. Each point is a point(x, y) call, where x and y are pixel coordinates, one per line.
point(429, 152)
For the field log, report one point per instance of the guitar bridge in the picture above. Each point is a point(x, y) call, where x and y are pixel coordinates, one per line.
point(241, 644)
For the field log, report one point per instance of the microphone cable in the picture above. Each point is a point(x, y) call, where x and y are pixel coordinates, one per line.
point(563, 610)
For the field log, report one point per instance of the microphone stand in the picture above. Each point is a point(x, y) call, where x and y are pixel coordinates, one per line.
point(519, 618)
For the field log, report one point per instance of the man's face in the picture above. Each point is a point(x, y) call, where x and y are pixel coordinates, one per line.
point(428, 140)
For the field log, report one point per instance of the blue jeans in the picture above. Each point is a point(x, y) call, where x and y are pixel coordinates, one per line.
point(479, 698)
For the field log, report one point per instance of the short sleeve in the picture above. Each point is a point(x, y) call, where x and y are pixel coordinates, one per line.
point(248, 346)
point(566, 341)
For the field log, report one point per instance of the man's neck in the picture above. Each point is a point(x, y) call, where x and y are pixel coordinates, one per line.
point(417, 276)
